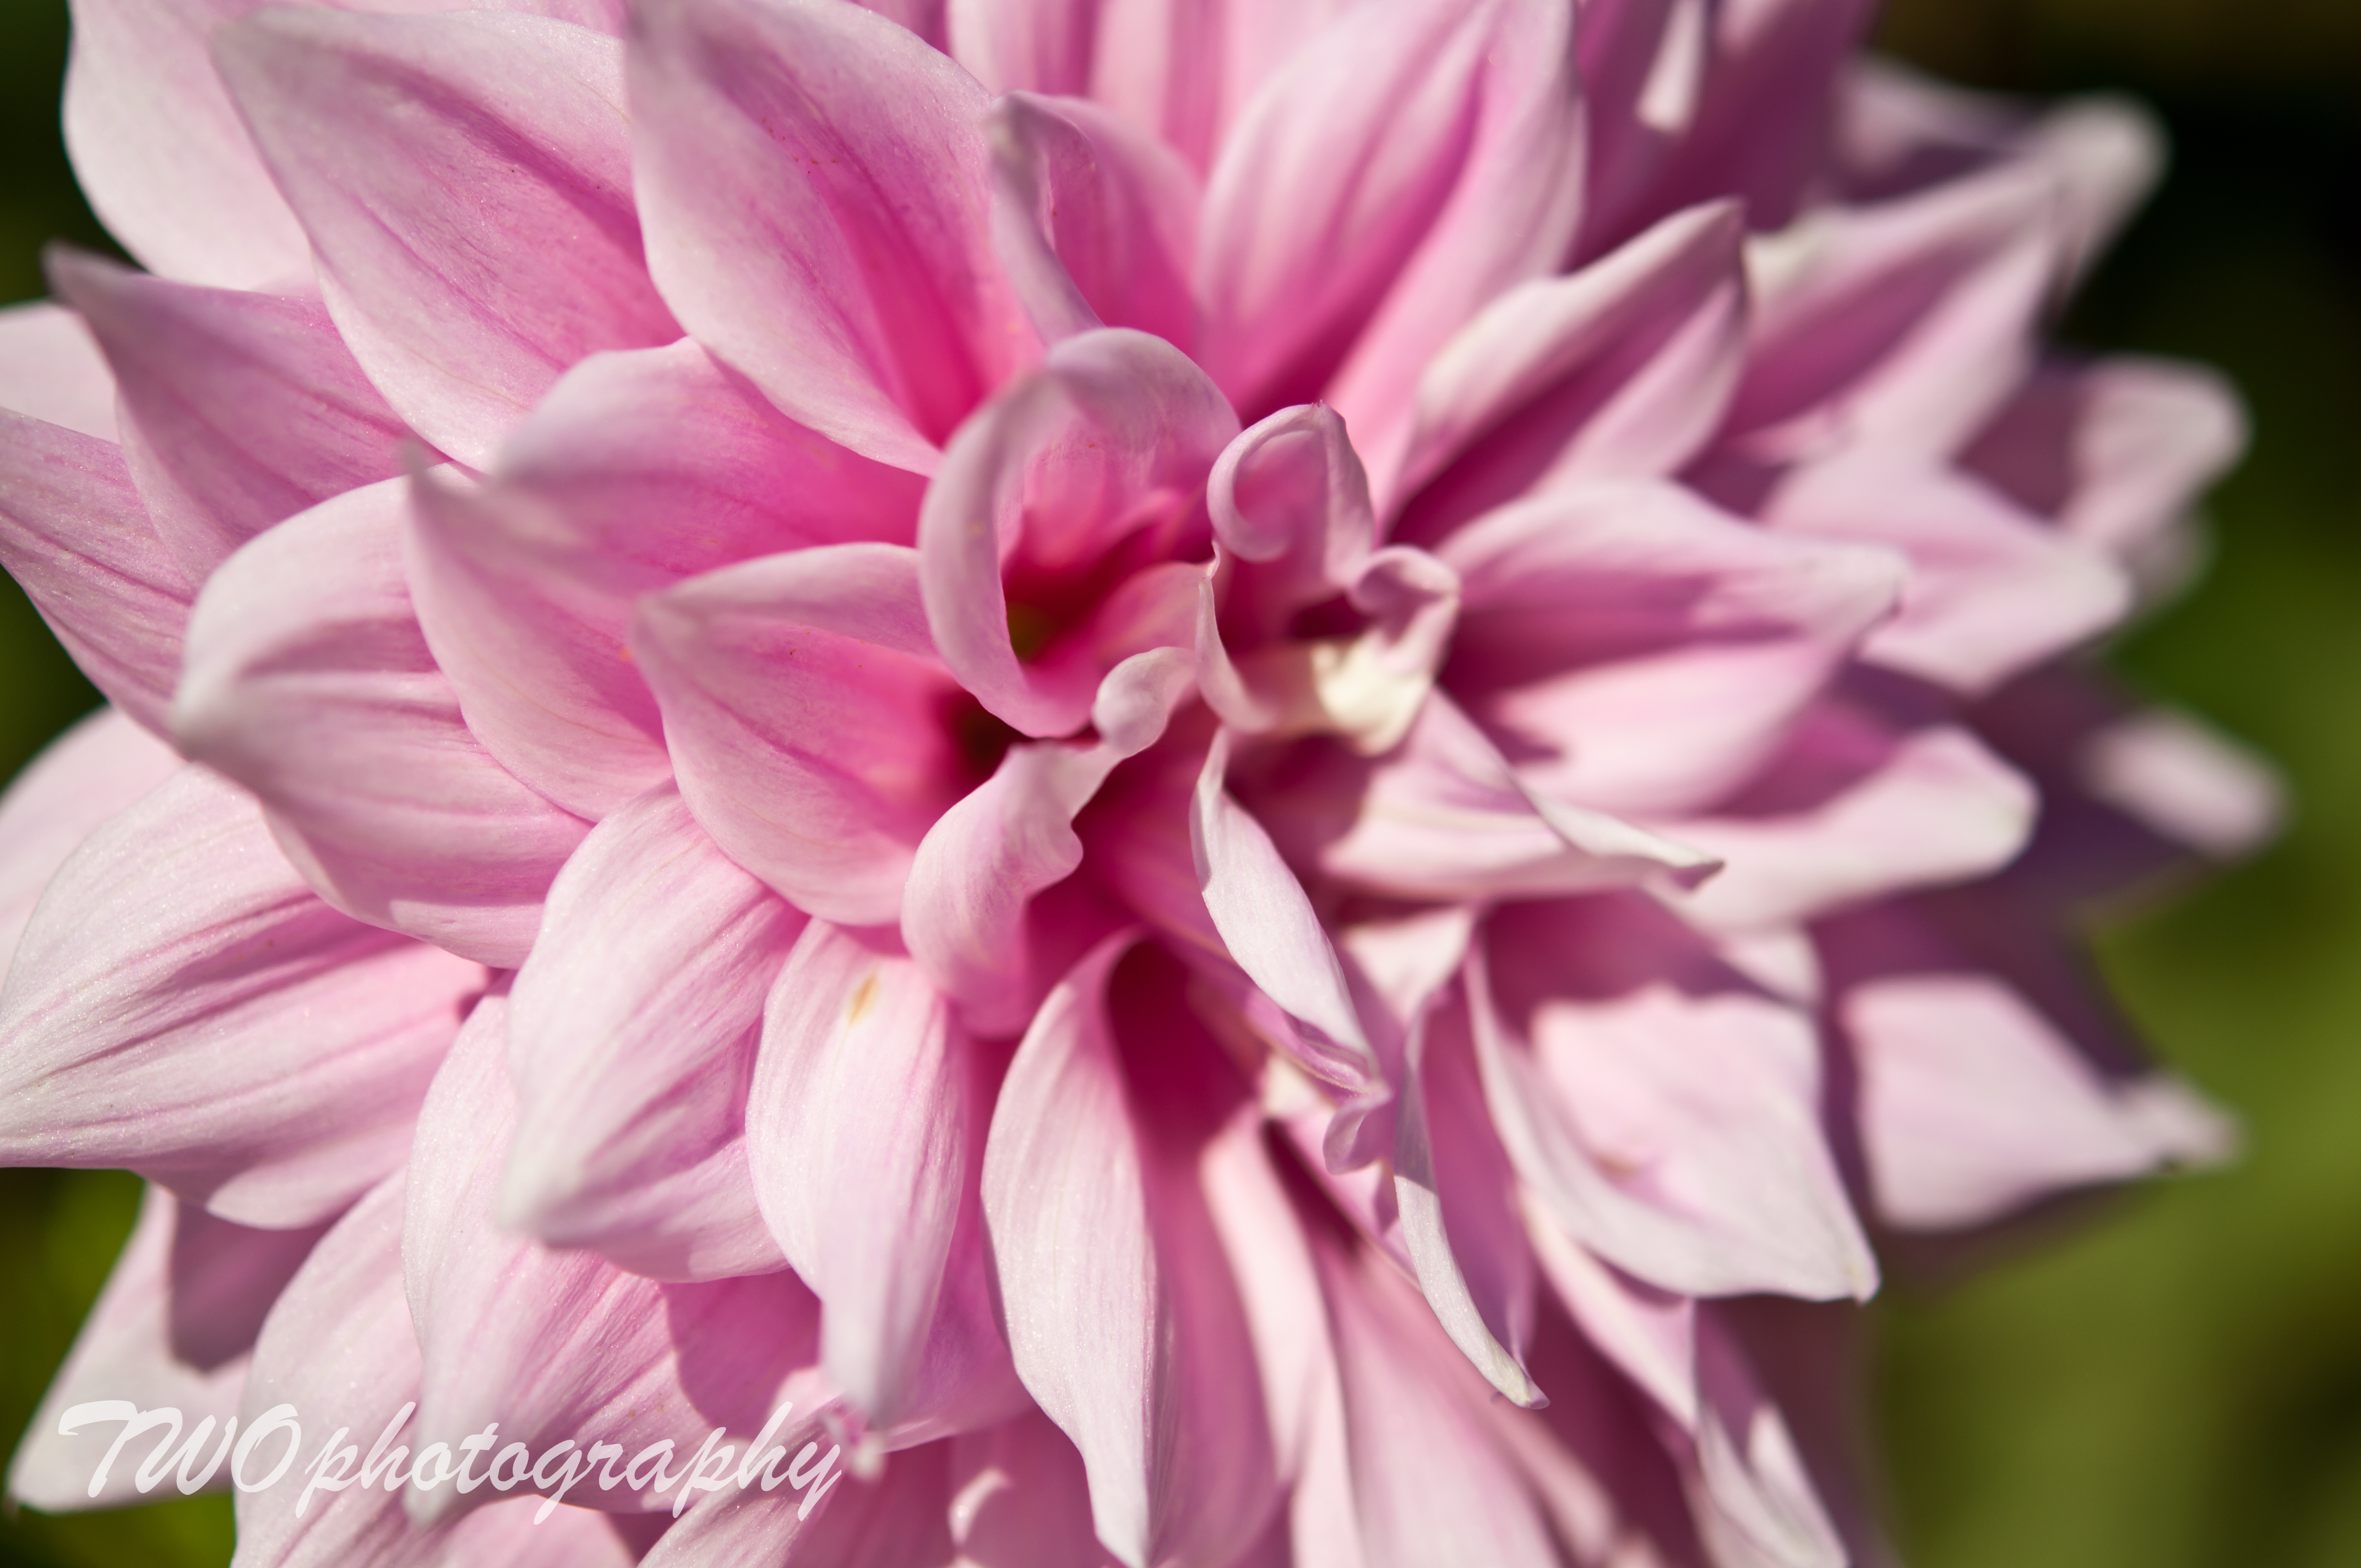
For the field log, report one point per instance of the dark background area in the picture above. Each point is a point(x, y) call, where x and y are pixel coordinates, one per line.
point(2176, 1383)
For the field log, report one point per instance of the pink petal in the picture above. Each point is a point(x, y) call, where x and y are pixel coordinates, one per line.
point(1665, 1114)
point(183, 1004)
point(897, 1521)
point(965, 913)
point(1358, 203)
point(1096, 220)
point(462, 312)
point(161, 154)
point(809, 720)
point(1991, 593)
point(1122, 1308)
point(1675, 644)
point(1044, 46)
point(631, 1040)
point(1623, 370)
point(559, 1344)
point(638, 469)
point(1458, 1198)
point(173, 1328)
point(242, 409)
point(866, 1122)
point(1973, 1105)
point(1265, 918)
point(1431, 1482)
point(2117, 452)
point(1021, 1499)
point(1850, 810)
point(853, 277)
point(87, 775)
point(1289, 496)
point(51, 369)
point(2179, 778)
point(1111, 438)
point(310, 685)
point(76, 537)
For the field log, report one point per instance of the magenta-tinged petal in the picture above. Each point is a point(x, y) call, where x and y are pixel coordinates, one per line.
point(1045, 46)
point(2182, 778)
point(1623, 370)
point(1108, 443)
point(811, 728)
point(563, 1344)
point(462, 312)
point(965, 913)
point(242, 409)
point(815, 183)
point(1673, 643)
point(1289, 496)
point(52, 370)
point(1991, 592)
point(1095, 221)
point(638, 470)
point(310, 685)
point(1430, 1481)
point(1400, 171)
point(76, 537)
point(1851, 809)
point(173, 1327)
point(1666, 1113)
point(1973, 1104)
point(865, 1124)
point(1122, 1308)
point(630, 1039)
point(163, 157)
point(1021, 1499)
point(183, 1004)
point(1264, 916)
point(87, 775)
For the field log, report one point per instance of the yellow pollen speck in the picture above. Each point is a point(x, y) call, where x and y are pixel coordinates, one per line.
point(864, 999)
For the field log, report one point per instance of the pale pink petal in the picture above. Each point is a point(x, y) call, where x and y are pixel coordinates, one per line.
point(1973, 1105)
point(638, 470)
point(815, 187)
point(1020, 1499)
point(1095, 221)
point(1622, 369)
point(1663, 1112)
point(310, 685)
point(1410, 163)
point(631, 1040)
point(899, 1519)
point(966, 912)
point(1290, 496)
point(241, 410)
point(1042, 46)
point(1853, 809)
point(812, 730)
point(2178, 777)
point(1991, 592)
point(555, 1344)
point(1675, 644)
point(463, 312)
point(1431, 1482)
point(87, 775)
point(1266, 920)
point(51, 369)
point(1445, 816)
point(1458, 1198)
point(173, 1327)
point(76, 537)
point(183, 1004)
point(2117, 452)
point(866, 1122)
point(1107, 444)
point(163, 155)
point(1122, 1308)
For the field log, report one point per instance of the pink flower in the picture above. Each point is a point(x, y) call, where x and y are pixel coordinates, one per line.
point(1251, 779)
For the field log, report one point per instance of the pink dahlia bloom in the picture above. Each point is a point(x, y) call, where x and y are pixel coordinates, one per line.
point(1257, 780)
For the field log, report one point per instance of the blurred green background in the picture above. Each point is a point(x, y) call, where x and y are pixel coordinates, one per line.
point(2174, 1386)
